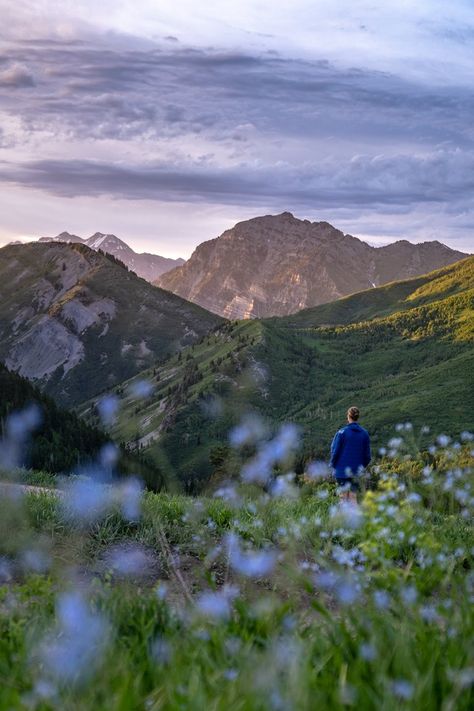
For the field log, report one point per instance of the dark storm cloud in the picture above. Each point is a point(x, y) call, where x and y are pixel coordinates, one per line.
point(117, 92)
point(399, 181)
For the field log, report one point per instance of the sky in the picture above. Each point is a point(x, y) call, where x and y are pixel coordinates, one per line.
point(166, 123)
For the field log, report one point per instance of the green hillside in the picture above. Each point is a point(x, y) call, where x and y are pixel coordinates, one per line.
point(197, 395)
point(402, 352)
point(388, 299)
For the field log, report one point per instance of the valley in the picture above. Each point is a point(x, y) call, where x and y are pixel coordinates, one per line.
point(402, 352)
point(85, 329)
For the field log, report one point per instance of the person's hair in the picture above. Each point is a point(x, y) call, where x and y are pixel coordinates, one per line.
point(353, 413)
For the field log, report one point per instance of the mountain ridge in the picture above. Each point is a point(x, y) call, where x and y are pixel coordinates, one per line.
point(144, 264)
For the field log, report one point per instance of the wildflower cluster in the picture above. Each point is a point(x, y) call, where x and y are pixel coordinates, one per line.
point(270, 593)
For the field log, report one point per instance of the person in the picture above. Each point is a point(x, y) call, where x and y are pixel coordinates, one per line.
point(350, 454)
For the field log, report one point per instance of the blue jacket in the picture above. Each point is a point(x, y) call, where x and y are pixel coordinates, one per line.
point(350, 450)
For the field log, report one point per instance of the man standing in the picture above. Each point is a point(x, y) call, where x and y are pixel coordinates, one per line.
point(350, 453)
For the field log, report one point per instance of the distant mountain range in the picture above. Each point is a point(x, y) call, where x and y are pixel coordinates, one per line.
point(277, 265)
point(76, 321)
point(148, 266)
point(274, 265)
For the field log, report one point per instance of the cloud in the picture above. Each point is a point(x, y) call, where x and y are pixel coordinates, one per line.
point(122, 117)
point(444, 176)
point(114, 92)
point(400, 37)
point(16, 76)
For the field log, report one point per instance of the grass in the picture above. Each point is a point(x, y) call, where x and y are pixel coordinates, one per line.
point(391, 368)
point(368, 609)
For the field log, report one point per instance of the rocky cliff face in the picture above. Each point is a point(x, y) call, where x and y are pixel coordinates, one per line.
point(148, 266)
point(75, 321)
point(277, 265)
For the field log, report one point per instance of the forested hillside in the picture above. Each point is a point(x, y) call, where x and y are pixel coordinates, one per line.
point(59, 439)
point(47, 438)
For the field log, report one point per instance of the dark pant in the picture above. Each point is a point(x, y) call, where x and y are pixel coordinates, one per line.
point(349, 481)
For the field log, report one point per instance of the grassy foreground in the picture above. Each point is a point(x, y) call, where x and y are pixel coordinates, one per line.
point(271, 595)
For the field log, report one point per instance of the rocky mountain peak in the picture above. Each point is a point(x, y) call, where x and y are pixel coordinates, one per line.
point(66, 236)
point(108, 243)
point(274, 265)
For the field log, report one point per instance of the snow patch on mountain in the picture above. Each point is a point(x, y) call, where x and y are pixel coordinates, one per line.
point(97, 242)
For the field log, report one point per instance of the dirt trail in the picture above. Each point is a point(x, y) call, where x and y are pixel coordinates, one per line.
point(13, 487)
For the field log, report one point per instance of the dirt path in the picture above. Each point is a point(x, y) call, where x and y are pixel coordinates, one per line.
point(14, 488)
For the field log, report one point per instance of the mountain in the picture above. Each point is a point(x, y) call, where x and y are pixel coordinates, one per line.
point(148, 266)
point(276, 265)
point(64, 237)
point(77, 321)
point(403, 352)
